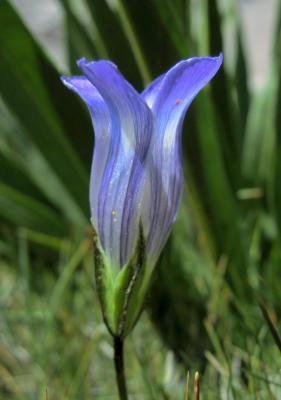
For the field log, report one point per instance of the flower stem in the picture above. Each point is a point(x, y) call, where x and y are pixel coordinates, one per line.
point(119, 368)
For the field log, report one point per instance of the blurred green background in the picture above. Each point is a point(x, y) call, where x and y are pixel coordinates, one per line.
point(224, 254)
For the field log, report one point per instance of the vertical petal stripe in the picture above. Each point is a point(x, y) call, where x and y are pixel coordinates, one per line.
point(101, 122)
point(131, 124)
point(169, 98)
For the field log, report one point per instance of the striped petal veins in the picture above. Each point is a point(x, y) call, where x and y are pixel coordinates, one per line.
point(136, 173)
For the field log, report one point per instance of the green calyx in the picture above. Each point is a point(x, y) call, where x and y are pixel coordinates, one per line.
point(122, 295)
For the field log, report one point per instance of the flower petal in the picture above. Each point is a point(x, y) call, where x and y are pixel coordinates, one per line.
point(101, 120)
point(128, 124)
point(151, 92)
point(169, 98)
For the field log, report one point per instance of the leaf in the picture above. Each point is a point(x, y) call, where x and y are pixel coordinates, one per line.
point(33, 92)
point(241, 83)
point(22, 210)
point(114, 40)
point(79, 43)
point(174, 16)
point(214, 187)
point(231, 131)
point(259, 139)
point(146, 33)
point(276, 195)
point(24, 159)
point(14, 177)
point(273, 330)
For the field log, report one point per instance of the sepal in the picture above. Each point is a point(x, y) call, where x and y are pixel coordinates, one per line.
point(122, 296)
point(104, 284)
point(128, 285)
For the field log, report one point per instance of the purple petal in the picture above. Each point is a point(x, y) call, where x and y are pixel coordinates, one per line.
point(169, 98)
point(150, 93)
point(101, 122)
point(123, 128)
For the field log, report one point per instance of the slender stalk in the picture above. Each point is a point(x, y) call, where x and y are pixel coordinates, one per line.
point(186, 394)
point(119, 368)
point(197, 386)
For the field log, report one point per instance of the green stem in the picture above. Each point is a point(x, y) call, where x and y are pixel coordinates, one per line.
point(119, 368)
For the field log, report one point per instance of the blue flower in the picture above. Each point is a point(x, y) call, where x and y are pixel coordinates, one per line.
point(136, 171)
point(136, 175)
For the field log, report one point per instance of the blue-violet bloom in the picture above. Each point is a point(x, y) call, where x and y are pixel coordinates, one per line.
point(136, 174)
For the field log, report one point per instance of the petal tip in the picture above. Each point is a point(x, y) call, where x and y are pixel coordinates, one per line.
point(81, 61)
point(65, 80)
point(220, 58)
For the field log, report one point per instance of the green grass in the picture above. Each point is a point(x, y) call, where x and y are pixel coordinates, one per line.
point(52, 335)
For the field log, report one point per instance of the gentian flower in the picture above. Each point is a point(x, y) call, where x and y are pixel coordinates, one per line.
point(136, 175)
